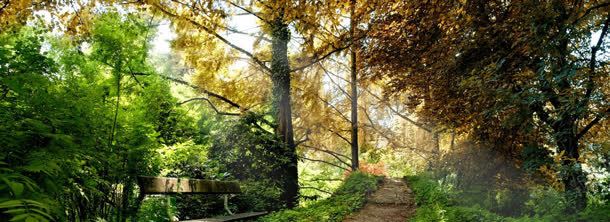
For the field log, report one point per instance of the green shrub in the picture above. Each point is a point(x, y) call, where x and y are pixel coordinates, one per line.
point(435, 202)
point(257, 196)
point(429, 212)
point(349, 197)
point(597, 212)
point(428, 191)
point(157, 209)
point(459, 213)
point(545, 202)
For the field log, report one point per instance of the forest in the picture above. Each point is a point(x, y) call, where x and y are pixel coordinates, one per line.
point(304, 110)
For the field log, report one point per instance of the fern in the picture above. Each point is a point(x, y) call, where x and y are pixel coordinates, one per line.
point(14, 191)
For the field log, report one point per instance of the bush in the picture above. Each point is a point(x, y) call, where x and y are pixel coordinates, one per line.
point(436, 202)
point(428, 191)
point(256, 196)
point(545, 201)
point(157, 209)
point(350, 196)
point(459, 213)
point(597, 212)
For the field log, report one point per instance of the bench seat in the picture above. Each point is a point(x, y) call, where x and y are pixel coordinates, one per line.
point(169, 185)
point(234, 217)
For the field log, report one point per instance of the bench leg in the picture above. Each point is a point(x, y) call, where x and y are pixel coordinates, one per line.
point(226, 197)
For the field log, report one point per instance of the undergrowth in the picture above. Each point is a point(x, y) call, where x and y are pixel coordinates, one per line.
point(349, 197)
point(438, 202)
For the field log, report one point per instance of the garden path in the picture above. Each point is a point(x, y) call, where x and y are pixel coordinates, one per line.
point(393, 201)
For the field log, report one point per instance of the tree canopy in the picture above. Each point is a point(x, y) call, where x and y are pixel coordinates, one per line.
point(291, 97)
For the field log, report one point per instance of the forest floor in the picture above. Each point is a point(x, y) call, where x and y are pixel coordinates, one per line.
point(393, 201)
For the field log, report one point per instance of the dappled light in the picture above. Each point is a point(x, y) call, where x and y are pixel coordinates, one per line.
point(309, 110)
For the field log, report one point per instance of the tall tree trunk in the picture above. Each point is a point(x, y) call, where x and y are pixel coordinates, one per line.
point(452, 140)
point(280, 76)
point(572, 175)
point(436, 144)
point(354, 89)
point(436, 151)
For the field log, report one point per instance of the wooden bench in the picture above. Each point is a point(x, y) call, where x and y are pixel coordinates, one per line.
point(168, 185)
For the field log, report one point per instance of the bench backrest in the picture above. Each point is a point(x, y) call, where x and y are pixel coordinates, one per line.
point(168, 185)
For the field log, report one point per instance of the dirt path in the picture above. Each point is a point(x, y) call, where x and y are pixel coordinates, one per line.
point(393, 201)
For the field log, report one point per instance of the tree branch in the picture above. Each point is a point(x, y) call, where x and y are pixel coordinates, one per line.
point(315, 188)
point(248, 34)
point(328, 104)
point(595, 120)
point(219, 37)
point(405, 117)
point(350, 42)
point(207, 92)
point(390, 140)
point(324, 179)
point(247, 11)
point(326, 162)
point(314, 61)
point(131, 73)
point(339, 135)
point(543, 115)
point(4, 5)
point(333, 81)
point(211, 105)
point(593, 63)
point(333, 154)
point(303, 140)
point(589, 10)
point(327, 151)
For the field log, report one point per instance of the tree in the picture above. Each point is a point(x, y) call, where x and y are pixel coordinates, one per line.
point(275, 17)
point(519, 73)
point(354, 85)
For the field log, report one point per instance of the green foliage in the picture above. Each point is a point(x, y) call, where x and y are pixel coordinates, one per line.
point(436, 203)
point(545, 201)
point(595, 212)
point(257, 196)
point(80, 120)
point(428, 191)
point(20, 203)
point(27, 135)
point(157, 209)
point(535, 157)
point(458, 213)
point(227, 149)
point(349, 197)
point(247, 151)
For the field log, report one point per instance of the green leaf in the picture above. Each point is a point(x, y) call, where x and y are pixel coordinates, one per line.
point(15, 211)
point(20, 217)
point(42, 213)
point(35, 203)
point(11, 204)
point(31, 219)
point(16, 187)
